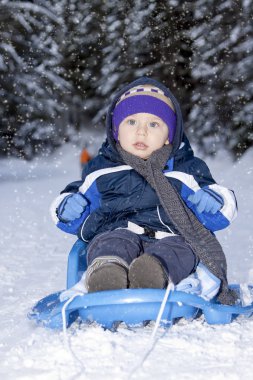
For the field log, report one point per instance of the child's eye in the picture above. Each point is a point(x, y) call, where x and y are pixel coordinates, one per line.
point(153, 124)
point(131, 122)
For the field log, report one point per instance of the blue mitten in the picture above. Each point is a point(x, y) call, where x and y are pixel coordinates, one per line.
point(190, 284)
point(210, 284)
point(206, 200)
point(202, 283)
point(71, 207)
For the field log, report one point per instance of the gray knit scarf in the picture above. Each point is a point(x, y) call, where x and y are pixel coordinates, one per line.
point(203, 243)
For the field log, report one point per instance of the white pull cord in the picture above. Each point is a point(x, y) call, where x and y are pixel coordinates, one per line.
point(152, 342)
point(64, 330)
point(169, 289)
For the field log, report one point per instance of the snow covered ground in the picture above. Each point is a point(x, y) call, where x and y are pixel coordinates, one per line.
point(33, 264)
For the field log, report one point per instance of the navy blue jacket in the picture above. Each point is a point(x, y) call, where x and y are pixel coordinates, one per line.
point(117, 194)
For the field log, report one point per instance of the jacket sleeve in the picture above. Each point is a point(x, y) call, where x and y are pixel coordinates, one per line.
point(73, 187)
point(194, 175)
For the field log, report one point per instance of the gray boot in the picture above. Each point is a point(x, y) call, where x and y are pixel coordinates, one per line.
point(147, 272)
point(106, 273)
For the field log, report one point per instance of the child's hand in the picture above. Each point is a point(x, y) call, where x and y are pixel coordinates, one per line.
point(206, 200)
point(71, 207)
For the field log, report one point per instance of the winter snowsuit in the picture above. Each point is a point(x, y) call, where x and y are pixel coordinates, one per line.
point(117, 195)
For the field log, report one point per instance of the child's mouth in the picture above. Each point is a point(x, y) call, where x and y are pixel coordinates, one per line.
point(140, 146)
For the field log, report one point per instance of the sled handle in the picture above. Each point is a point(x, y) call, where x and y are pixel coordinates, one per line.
point(78, 249)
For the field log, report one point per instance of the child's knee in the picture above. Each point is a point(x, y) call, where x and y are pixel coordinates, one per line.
point(176, 256)
point(121, 243)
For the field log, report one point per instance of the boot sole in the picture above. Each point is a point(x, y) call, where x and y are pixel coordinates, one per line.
point(108, 277)
point(147, 272)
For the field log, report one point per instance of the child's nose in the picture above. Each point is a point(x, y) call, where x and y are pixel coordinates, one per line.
point(142, 129)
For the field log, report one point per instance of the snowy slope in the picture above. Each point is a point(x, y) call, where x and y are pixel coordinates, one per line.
point(33, 264)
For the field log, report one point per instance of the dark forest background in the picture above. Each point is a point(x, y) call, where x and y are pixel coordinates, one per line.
point(62, 60)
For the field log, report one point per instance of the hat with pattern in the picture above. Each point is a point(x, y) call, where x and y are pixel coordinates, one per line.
point(145, 99)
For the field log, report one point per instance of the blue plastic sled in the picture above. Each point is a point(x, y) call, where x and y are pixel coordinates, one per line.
point(132, 306)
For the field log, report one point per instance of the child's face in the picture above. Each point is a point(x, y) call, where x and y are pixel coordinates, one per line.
point(143, 133)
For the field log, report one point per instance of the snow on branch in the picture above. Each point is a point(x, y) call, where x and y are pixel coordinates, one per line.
point(11, 50)
point(34, 8)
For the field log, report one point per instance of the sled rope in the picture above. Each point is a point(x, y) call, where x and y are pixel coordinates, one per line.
point(169, 289)
point(64, 329)
point(152, 340)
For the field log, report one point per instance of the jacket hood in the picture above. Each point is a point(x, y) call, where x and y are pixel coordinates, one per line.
point(141, 81)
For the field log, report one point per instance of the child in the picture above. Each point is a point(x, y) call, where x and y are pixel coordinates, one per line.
point(146, 206)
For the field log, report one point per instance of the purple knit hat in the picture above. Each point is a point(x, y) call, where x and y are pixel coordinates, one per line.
point(147, 99)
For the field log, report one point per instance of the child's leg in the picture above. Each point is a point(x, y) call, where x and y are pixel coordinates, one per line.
point(108, 258)
point(121, 243)
point(176, 256)
point(166, 259)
